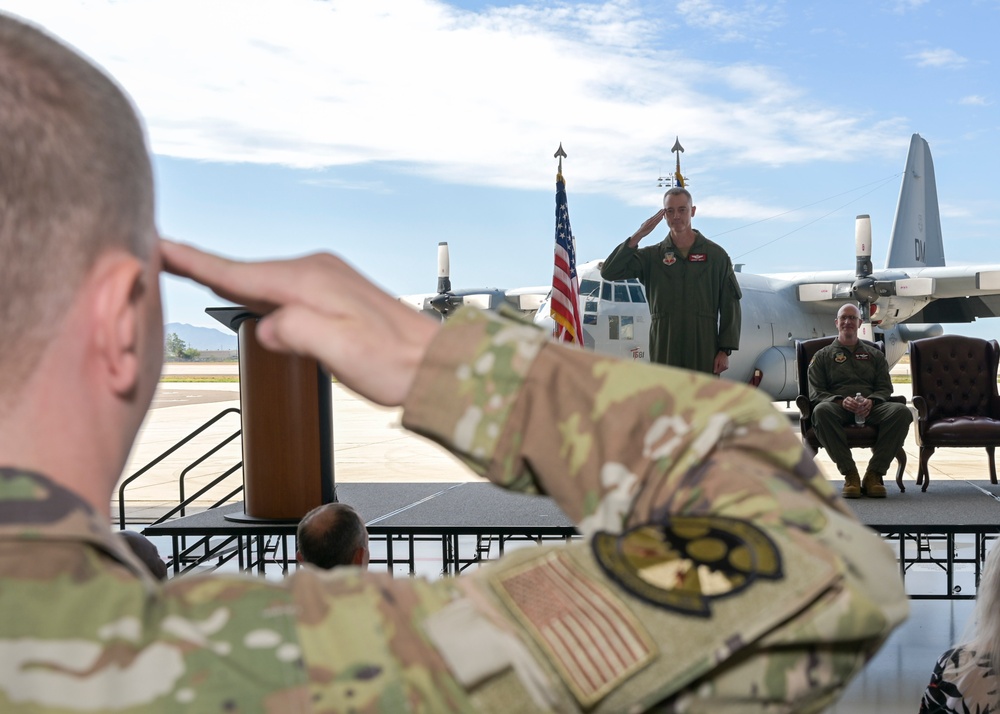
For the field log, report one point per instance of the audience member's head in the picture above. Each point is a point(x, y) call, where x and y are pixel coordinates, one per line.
point(146, 552)
point(965, 677)
point(982, 631)
point(69, 138)
point(332, 534)
point(79, 273)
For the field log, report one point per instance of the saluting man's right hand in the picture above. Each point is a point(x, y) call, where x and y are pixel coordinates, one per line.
point(646, 228)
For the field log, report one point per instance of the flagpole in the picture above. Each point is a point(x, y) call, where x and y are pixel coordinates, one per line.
point(564, 307)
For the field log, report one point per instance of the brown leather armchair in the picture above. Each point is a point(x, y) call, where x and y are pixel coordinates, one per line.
point(955, 394)
point(858, 437)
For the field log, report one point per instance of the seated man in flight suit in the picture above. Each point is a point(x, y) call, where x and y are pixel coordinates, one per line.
point(838, 373)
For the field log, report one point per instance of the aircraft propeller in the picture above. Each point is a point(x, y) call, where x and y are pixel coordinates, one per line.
point(445, 302)
point(866, 289)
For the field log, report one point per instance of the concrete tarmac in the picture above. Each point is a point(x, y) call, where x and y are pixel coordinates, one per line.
point(370, 446)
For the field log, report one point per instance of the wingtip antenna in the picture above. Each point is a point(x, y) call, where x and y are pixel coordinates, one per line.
point(560, 154)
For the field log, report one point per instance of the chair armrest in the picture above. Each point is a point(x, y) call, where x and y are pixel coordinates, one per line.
point(920, 404)
point(804, 405)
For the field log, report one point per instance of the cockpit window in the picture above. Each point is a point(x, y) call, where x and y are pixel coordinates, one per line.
point(636, 292)
point(605, 291)
point(590, 287)
point(621, 292)
point(627, 330)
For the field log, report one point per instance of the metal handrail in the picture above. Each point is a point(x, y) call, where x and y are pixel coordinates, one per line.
point(179, 508)
point(198, 462)
point(165, 454)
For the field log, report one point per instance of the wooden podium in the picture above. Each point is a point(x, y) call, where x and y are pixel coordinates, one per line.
point(286, 409)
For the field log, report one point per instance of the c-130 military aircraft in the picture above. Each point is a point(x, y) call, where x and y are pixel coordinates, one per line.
point(905, 300)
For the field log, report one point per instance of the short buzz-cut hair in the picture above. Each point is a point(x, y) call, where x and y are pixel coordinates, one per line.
point(678, 191)
point(330, 535)
point(75, 181)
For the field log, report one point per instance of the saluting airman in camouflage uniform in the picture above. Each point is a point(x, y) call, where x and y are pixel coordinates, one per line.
point(718, 570)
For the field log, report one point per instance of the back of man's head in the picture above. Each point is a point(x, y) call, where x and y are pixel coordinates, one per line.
point(332, 534)
point(75, 180)
point(146, 552)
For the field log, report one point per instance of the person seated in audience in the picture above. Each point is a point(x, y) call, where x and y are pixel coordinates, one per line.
point(330, 535)
point(146, 552)
point(965, 677)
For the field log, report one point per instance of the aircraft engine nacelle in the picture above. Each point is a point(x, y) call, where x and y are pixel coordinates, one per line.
point(777, 369)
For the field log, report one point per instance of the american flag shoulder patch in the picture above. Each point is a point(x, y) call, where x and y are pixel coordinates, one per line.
point(592, 639)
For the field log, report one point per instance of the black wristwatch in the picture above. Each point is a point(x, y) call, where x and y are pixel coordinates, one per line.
point(729, 353)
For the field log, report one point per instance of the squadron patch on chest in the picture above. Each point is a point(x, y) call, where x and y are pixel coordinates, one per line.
point(840, 358)
point(698, 258)
point(685, 563)
point(669, 258)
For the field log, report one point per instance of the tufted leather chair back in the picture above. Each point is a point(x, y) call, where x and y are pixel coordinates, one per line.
point(956, 376)
point(955, 394)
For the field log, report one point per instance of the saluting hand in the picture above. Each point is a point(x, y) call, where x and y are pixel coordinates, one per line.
point(646, 228)
point(321, 307)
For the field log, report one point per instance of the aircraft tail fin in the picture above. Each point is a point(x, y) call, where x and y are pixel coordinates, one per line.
point(916, 240)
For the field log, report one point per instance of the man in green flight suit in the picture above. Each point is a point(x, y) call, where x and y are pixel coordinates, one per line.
point(696, 502)
point(837, 374)
point(693, 295)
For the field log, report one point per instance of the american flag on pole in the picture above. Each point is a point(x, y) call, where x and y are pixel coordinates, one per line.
point(565, 304)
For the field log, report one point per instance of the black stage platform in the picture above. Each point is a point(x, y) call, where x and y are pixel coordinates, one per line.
point(926, 527)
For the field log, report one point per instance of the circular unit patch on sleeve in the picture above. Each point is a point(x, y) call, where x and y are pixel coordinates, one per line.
point(684, 563)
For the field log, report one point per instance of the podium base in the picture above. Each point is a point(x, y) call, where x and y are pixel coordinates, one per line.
point(244, 518)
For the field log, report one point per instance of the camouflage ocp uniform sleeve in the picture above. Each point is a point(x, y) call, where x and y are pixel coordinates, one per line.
point(719, 571)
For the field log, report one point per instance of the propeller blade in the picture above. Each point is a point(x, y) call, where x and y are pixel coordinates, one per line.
point(444, 269)
point(863, 245)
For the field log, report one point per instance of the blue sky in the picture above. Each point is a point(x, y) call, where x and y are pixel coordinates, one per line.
point(376, 129)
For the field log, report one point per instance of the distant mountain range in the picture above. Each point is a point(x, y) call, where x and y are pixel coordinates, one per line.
point(205, 339)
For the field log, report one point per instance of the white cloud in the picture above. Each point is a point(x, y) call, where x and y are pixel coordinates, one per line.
point(902, 6)
point(345, 185)
point(940, 57)
point(976, 100)
point(450, 94)
point(732, 21)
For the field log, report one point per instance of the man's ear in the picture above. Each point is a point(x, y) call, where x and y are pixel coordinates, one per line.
point(693, 209)
point(120, 285)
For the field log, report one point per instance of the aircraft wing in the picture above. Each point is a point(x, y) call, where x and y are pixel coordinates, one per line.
point(528, 299)
point(961, 293)
point(946, 294)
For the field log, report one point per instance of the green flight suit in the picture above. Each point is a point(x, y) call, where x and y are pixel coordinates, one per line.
point(718, 571)
point(838, 371)
point(694, 301)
